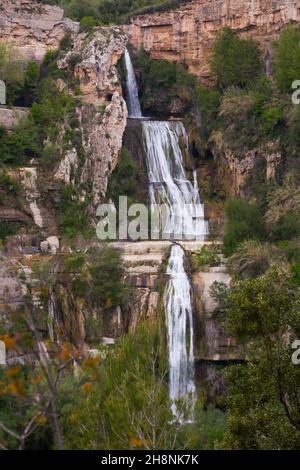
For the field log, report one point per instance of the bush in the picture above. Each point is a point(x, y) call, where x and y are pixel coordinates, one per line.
point(87, 24)
point(206, 256)
point(286, 228)
point(32, 74)
point(244, 221)
point(124, 179)
point(252, 259)
point(7, 229)
point(161, 82)
point(235, 61)
point(73, 214)
point(286, 62)
point(12, 71)
point(294, 129)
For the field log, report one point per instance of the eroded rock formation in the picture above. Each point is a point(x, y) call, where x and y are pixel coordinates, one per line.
point(186, 34)
point(103, 113)
point(33, 27)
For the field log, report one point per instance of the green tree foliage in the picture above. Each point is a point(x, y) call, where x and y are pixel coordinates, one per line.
point(263, 398)
point(12, 71)
point(287, 58)
point(161, 82)
point(30, 91)
point(73, 214)
point(234, 61)
point(124, 179)
point(113, 11)
point(87, 24)
point(244, 221)
point(253, 258)
point(127, 404)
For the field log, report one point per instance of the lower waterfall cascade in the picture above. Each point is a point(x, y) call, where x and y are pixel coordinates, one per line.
point(169, 185)
point(179, 319)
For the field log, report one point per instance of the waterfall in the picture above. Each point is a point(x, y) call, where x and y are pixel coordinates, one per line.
point(179, 319)
point(168, 184)
point(165, 143)
point(133, 103)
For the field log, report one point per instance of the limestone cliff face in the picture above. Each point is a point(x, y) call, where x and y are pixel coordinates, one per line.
point(33, 27)
point(186, 33)
point(103, 113)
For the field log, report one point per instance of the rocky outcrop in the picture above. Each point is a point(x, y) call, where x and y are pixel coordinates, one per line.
point(238, 172)
point(9, 118)
point(186, 34)
point(103, 112)
point(33, 27)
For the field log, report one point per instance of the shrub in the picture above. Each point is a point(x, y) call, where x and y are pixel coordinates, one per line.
point(252, 259)
point(87, 24)
point(124, 178)
point(107, 287)
point(12, 68)
point(294, 129)
point(291, 249)
point(244, 221)
point(286, 62)
point(32, 74)
point(286, 227)
point(272, 117)
point(73, 214)
point(234, 61)
point(206, 256)
point(7, 229)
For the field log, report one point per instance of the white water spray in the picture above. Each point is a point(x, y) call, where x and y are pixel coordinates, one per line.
point(179, 318)
point(133, 103)
point(164, 143)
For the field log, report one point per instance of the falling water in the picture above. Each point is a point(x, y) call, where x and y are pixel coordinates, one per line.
point(168, 184)
point(165, 142)
point(134, 107)
point(179, 318)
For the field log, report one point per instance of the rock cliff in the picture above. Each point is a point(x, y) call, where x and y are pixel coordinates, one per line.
point(186, 34)
point(103, 113)
point(33, 27)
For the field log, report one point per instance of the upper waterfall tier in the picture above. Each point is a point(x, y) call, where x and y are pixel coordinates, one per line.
point(164, 142)
point(133, 103)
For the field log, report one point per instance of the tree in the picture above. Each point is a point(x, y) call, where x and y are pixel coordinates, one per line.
point(235, 61)
point(264, 393)
point(32, 73)
point(87, 24)
point(127, 405)
point(287, 58)
point(12, 69)
point(244, 221)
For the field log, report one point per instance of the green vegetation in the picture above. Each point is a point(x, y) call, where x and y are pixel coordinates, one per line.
point(244, 222)
point(97, 277)
point(127, 407)
point(235, 61)
point(287, 64)
point(12, 71)
point(162, 84)
point(206, 256)
point(113, 11)
point(87, 24)
point(74, 214)
point(124, 179)
point(263, 393)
